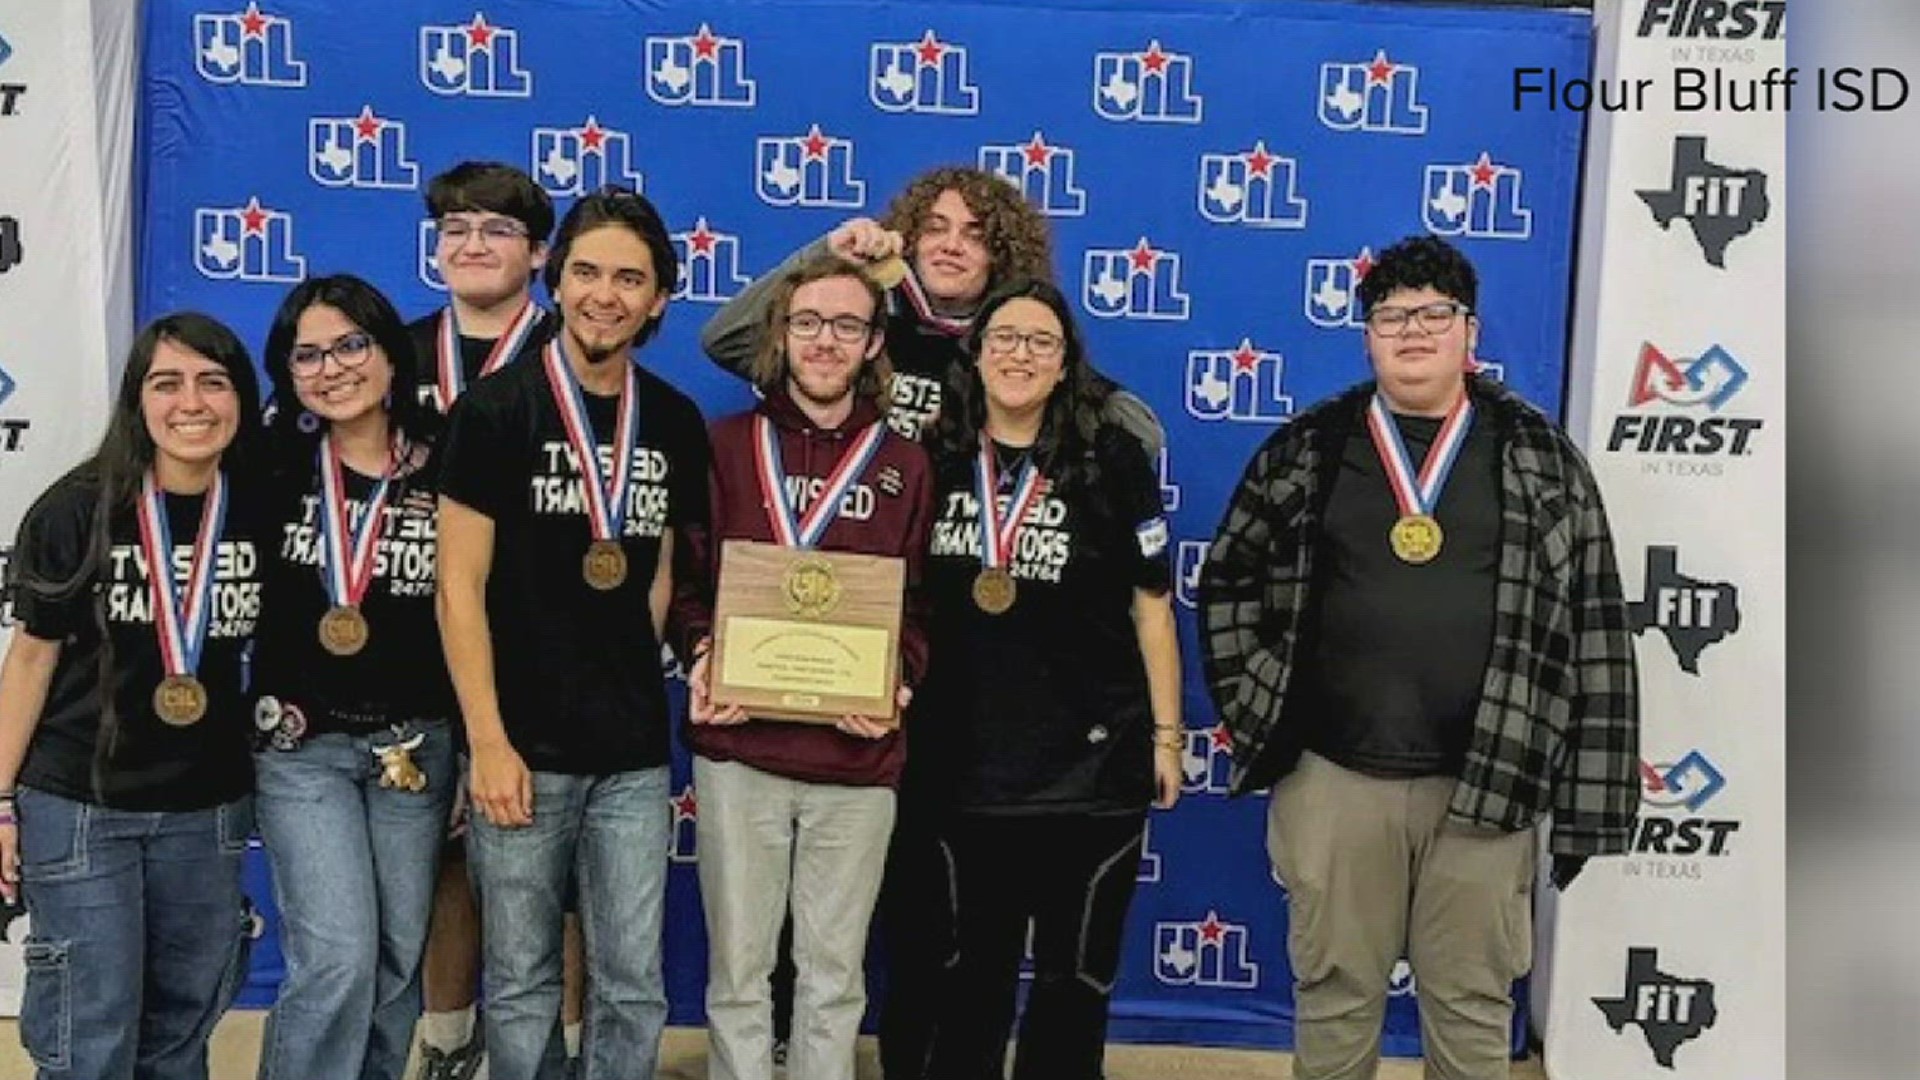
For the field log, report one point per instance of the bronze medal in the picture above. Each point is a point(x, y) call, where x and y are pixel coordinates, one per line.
point(605, 565)
point(180, 700)
point(1416, 538)
point(343, 630)
point(994, 590)
point(810, 587)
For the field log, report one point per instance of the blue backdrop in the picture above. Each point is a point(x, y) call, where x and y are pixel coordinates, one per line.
point(1217, 175)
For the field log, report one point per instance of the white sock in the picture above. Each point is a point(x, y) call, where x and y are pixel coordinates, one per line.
point(447, 1031)
point(571, 1033)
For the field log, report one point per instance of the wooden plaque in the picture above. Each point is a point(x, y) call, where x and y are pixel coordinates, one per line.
point(808, 636)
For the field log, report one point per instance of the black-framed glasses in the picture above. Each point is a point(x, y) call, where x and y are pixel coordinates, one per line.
point(806, 325)
point(1041, 344)
point(349, 351)
point(492, 230)
point(1434, 318)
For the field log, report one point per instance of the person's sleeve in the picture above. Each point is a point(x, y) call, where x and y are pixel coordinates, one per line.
point(914, 647)
point(473, 462)
point(732, 336)
point(50, 601)
point(1597, 792)
point(1126, 411)
point(1240, 596)
point(1139, 518)
point(695, 549)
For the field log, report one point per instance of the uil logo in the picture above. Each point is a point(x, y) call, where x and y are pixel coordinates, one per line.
point(807, 170)
point(249, 48)
point(685, 806)
point(364, 151)
point(1378, 95)
point(474, 60)
point(709, 265)
point(1169, 491)
point(570, 161)
point(1190, 557)
point(1251, 187)
point(246, 243)
point(1206, 762)
point(1140, 282)
point(1211, 952)
point(1333, 289)
point(1149, 873)
point(1478, 199)
point(1042, 171)
point(1243, 385)
point(428, 265)
point(700, 70)
point(925, 76)
point(1155, 86)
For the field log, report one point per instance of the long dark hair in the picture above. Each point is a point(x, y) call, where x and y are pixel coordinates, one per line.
point(295, 431)
point(115, 470)
point(1070, 426)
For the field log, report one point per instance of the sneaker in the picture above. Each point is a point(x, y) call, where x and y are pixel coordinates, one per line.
point(458, 1064)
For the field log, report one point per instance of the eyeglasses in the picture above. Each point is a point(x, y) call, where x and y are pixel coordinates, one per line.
point(806, 325)
point(493, 230)
point(1041, 344)
point(350, 351)
point(1435, 318)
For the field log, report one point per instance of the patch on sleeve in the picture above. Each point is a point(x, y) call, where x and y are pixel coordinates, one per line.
point(1152, 536)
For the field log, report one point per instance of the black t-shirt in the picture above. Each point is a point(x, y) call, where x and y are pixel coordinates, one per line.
point(1043, 708)
point(474, 351)
point(400, 674)
point(1392, 679)
point(924, 360)
point(153, 765)
point(577, 670)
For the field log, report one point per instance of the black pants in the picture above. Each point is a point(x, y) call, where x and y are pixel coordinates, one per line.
point(916, 930)
point(1073, 877)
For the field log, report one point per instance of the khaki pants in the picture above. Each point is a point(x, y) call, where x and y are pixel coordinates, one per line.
point(1373, 869)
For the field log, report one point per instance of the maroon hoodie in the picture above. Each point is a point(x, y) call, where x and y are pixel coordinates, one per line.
point(887, 511)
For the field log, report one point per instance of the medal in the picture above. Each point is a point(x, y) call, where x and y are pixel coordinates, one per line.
point(180, 700)
point(180, 617)
point(804, 531)
point(397, 770)
point(993, 588)
point(347, 550)
point(810, 587)
point(1416, 535)
point(451, 379)
point(605, 565)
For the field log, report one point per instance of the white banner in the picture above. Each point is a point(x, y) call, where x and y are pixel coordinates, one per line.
point(1671, 961)
point(55, 286)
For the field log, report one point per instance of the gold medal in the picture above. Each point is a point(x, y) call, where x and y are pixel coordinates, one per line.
point(1416, 538)
point(343, 630)
point(810, 587)
point(994, 590)
point(180, 700)
point(605, 565)
point(397, 768)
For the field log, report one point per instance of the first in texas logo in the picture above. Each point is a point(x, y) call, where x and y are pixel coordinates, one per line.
point(1480, 198)
point(10, 92)
point(475, 59)
point(700, 69)
point(926, 76)
point(1720, 204)
point(1155, 86)
point(1691, 613)
point(1375, 95)
point(247, 48)
point(1669, 1010)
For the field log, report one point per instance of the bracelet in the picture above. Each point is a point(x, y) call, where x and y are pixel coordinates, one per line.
point(1169, 740)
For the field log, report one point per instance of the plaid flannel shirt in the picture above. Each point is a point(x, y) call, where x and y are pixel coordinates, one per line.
point(1558, 724)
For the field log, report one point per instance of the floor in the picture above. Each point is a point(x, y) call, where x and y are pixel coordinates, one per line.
point(236, 1047)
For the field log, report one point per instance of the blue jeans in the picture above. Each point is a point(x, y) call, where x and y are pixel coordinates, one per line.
point(139, 935)
point(612, 832)
point(353, 872)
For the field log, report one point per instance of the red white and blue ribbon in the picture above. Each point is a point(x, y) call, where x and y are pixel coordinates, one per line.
point(916, 295)
point(804, 531)
point(180, 617)
point(606, 496)
point(997, 533)
point(347, 554)
point(452, 378)
point(1418, 495)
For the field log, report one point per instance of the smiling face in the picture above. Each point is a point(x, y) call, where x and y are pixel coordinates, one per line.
point(339, 372)
point(950, 255)
point(494, 261)
point(823, 368)
point(1022, 356)
point(608, 290)
point(190, 406)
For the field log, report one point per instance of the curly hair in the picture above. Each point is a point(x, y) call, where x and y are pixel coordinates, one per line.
point(1018, 243)
point(1420, 262)
point(769, 370)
